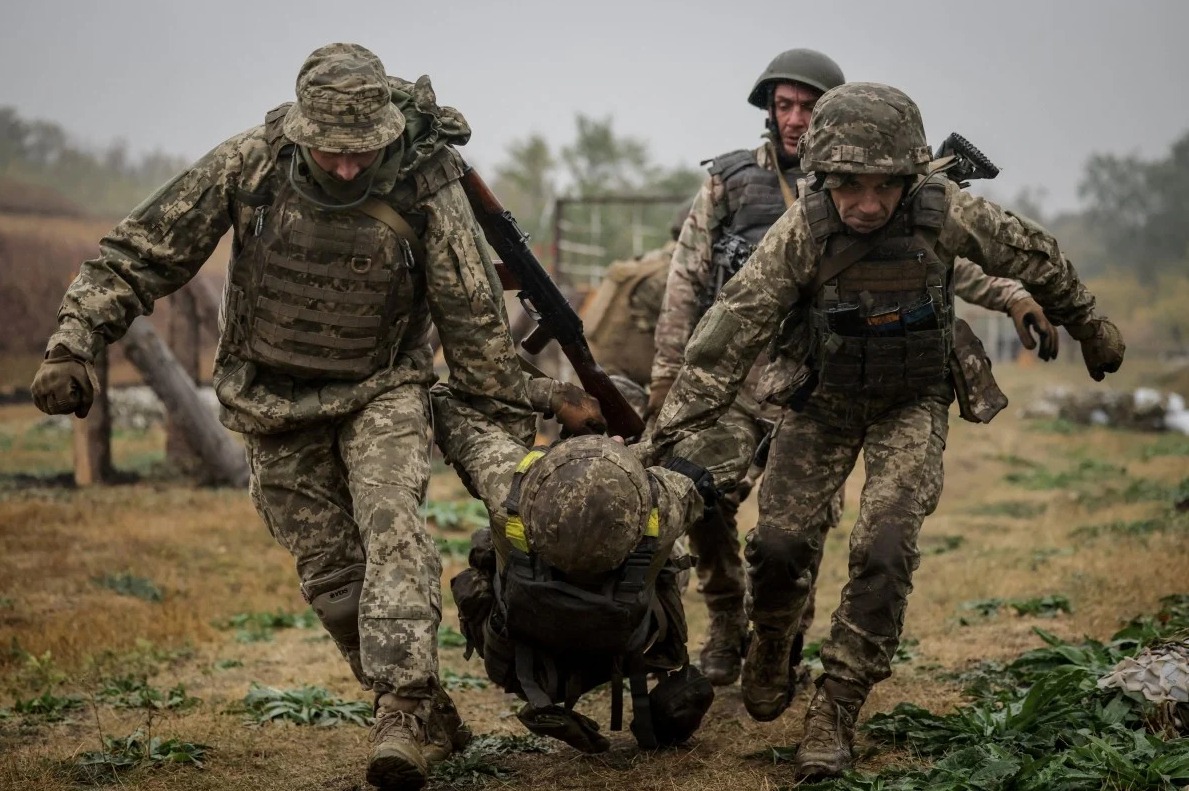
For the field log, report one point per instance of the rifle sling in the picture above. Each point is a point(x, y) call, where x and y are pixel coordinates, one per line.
point(832, 266)
point(381, 212)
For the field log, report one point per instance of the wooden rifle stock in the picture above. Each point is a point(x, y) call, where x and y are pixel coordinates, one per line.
point(556, 318)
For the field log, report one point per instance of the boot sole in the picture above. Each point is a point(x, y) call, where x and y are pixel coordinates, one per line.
point(393, 773)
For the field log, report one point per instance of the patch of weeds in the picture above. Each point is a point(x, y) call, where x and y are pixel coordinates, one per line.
point(1041, 477)
point(1169, 444)
point(304, 706)
point(120, 754)
point(48, 706)
point(980, 609)
point(228, 664)
point(1042, 555)
point(258, 627)
point(1042, 606)
point(453, 548)
point(939, 545)
point(1013, 509)
point(906, 651)
point(1039, 722)
point(39, 672)
point(456, 514)
point(1135, 529)
point(452, 681)
point(144, 660)
point(475, 766)
point(7, 604)
point(1056, 426)
point(131, 692)
point(1137, 490)
point(449, 637)
point(130, 585)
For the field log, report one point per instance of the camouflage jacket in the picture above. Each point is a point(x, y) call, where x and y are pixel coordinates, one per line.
point(752, 305)
point(165, 240)
point(691, 273)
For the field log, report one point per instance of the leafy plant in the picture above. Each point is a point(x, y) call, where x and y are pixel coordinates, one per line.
point(258, 627)
point(304, 706)
point(130, 692)
point(456, 514)
point(454, 548)
point(47, 706)
point(227, 664)
point(127, 584)
point(462, 681)
point(137, 750)
point(449, 637)
point(474, 765)
point(939, 545)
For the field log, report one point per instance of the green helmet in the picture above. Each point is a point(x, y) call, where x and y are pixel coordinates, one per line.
point(865, 127)
point(585, 505)
point(806, 66)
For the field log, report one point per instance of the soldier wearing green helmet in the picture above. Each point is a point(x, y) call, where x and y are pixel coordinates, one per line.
point(351, 233)
point(746, 192)
point(860, 273)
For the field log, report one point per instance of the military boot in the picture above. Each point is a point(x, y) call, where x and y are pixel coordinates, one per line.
point(396, 761)
point(767, 688)
point(445, 732)
point(825, 749)
point(722, 654)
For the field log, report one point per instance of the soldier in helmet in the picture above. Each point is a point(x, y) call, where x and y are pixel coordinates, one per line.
point(574, 583)
point(746, 192)
point(351, 233)
point(862, 268)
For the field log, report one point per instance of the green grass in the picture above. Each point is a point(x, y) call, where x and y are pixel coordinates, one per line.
point(1040, 477)
point(1013, 509)
point(449, 637)
point(127, 584)
point(258, 627)
point(456, 514)
point(477, 763)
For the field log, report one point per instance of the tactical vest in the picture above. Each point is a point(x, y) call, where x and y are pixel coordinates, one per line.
point(753, 197)
point(884, 325)
point(318, 293)
point(558, 628)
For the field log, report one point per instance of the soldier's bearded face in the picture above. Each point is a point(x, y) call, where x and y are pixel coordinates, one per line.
point(866, 201)
point(792, 104)
point(344, 167)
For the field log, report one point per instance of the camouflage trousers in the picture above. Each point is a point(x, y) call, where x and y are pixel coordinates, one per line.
point(714, 539)
point(812, 454)
point(344, 498)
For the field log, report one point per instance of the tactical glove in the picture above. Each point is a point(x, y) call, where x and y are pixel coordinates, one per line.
point(656, 399)
point(1102, 346)
point(576, 730)
point(577, 410)
point(64, 383)
point(1028, 316)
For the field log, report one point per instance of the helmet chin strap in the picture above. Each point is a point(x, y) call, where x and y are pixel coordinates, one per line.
point(773, 132)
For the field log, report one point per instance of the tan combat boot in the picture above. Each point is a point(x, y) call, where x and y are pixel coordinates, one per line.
point(825, 749)
point(767, 689)
point(396, 761)
point(722, 654)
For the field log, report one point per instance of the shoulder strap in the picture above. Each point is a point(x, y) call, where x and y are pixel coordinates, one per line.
point(834, 265)
point(381, 212)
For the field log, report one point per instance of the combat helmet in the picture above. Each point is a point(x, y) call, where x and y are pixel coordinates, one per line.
point(865, 127)
point(806, 66)
point(585, 505)
point(344, 103)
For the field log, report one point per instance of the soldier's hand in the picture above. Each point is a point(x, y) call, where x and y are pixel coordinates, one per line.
point(64, 384)
point(1029, 317)
point(656, 399)
point(577, 410)
point(1102, 346)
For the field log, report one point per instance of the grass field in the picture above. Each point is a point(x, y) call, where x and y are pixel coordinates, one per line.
point(136, 620)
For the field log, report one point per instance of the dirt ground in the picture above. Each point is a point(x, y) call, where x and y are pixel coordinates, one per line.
point(1029, 510)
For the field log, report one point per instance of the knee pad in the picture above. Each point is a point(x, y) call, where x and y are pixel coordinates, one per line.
point(335, 599)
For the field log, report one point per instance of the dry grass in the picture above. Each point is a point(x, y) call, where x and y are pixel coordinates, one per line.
point(210, 556)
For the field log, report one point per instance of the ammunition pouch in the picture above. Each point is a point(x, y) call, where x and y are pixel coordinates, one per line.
point(977, 393)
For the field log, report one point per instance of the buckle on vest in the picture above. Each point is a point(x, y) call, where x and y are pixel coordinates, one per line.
point(360, 264)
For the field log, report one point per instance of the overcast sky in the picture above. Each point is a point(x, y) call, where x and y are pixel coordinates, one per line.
point(1038, 85)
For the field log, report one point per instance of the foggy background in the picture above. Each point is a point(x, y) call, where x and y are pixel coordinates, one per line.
point(1038, 86)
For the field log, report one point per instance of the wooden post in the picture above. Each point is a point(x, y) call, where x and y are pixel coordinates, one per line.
point(224, 460)
point(92, 436)
point(185, 340)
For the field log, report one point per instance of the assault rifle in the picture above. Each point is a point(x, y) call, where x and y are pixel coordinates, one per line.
point(958, 158)
point(545, 303)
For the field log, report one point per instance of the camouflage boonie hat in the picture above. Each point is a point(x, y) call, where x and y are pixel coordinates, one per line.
point(585, 505)
point(865, 127)
point(344, 104)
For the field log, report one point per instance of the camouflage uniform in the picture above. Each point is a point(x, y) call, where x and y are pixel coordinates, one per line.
point(339, 456)
point(715, 540)
point(901, 434)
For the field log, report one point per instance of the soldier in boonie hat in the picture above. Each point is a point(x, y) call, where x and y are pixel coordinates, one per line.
point(344, 104)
